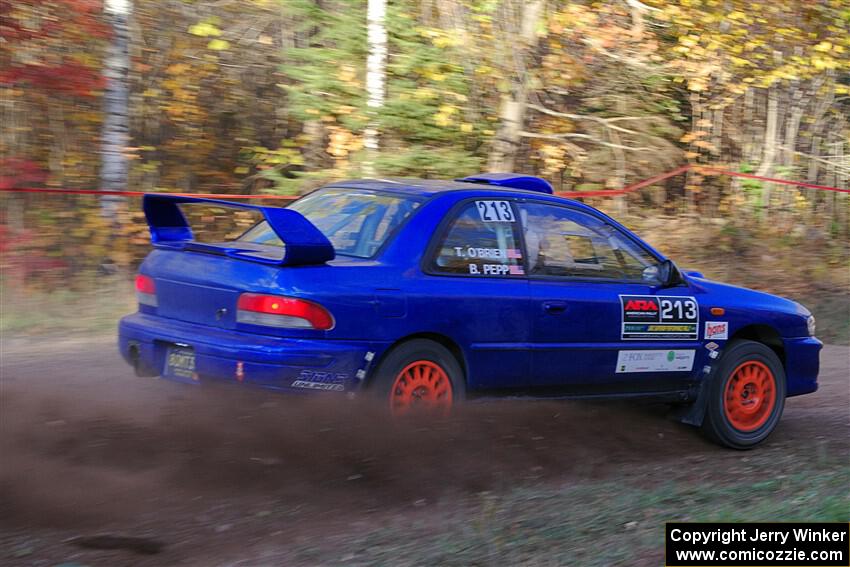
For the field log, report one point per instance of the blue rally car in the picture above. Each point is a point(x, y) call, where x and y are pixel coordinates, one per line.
point(424, 293)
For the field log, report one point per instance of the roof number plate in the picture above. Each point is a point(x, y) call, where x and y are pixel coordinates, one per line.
point(495, 211)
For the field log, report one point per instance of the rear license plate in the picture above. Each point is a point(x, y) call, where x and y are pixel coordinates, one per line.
point(180, 362)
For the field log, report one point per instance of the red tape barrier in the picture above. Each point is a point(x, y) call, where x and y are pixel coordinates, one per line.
point(142, 193)
point(5, 186)
point(627, 188)
point(718, 171)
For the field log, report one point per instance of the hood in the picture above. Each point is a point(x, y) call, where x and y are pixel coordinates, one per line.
point(732, 296)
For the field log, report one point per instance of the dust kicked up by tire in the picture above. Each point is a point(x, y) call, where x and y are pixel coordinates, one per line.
point(90, 449)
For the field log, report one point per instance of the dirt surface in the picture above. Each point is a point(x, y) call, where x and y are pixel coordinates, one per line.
point(146, 472)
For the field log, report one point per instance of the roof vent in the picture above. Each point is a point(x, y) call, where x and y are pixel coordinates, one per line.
point(513, 180)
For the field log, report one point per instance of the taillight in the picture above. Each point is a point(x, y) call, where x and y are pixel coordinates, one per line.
point(286, 312)
point(146, 290)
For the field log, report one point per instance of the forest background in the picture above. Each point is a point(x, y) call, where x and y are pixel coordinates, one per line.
point(281, 96)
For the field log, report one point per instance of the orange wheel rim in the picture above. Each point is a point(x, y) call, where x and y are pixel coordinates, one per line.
point(750, 396)
point(421, 385)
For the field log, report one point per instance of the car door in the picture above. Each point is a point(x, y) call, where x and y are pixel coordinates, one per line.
point(601, 321)
point(477, 290)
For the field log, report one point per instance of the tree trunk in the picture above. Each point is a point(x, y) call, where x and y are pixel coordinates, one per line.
point(115, 134)
point(513, 105)
point(693, 180)
point(376, 71)
point(638, 25)
point(511, 116)
point(56, 122)
point(769, 148)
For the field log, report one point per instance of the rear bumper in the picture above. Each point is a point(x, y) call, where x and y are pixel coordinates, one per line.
point(802, 364)
point(278, 363)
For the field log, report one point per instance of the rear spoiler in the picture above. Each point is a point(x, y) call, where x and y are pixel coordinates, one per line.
point(304, 243)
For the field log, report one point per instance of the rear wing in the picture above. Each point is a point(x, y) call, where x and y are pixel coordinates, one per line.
point(304, 244)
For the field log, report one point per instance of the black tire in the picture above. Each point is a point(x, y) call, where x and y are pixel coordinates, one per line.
point(411, 352)
point(719, 423)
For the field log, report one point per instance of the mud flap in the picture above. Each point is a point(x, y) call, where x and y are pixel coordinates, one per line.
point(694, 414)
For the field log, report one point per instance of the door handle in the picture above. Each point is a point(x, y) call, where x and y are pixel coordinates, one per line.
point(554, 307)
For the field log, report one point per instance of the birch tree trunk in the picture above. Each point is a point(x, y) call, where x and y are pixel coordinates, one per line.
point(769, 144)
point(376, 70)
point(513, 105)
point(114, 166)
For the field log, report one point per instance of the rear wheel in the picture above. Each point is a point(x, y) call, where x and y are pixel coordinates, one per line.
point(746, 396)
point(419, 376)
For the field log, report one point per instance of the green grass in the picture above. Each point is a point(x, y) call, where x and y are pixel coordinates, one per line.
point(832, 312)
point(65, 313)
point(590, 524)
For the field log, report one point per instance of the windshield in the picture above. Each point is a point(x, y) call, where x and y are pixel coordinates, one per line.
point(357, 222)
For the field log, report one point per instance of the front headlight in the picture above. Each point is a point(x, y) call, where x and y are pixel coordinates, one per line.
point(810, 323)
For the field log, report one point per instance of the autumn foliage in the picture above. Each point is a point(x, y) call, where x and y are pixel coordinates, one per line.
point(270, 96)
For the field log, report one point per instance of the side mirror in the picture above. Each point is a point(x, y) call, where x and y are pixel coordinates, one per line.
point(668, 274)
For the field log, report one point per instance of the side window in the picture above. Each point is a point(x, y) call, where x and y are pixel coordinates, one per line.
point(566, 242)
point(483, 240)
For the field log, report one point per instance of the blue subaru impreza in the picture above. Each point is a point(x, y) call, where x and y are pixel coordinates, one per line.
point(424, 293)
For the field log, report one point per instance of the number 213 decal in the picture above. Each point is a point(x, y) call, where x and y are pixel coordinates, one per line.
point(495, 211)
point(678, 310)
point(657, 317)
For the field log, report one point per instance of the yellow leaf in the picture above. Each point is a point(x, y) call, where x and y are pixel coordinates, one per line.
point(218, 45)
point(177, 69)
point(696, 85)
point(205, 29)
point(347, 74)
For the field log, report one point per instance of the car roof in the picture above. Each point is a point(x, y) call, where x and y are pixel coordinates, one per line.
point(424, 187)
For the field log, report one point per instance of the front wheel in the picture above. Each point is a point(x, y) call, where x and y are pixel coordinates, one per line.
point(419, 376)
point(746, 396)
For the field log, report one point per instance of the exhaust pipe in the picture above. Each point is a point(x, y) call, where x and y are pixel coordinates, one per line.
point(141, 369)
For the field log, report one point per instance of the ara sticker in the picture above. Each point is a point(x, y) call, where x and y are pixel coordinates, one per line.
point(495, 211)
point(655, 361)
point(659, 317)
point(712, 346)
point(716, 330)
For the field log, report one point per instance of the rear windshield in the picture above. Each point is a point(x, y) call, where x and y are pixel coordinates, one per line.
point(357, 222)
